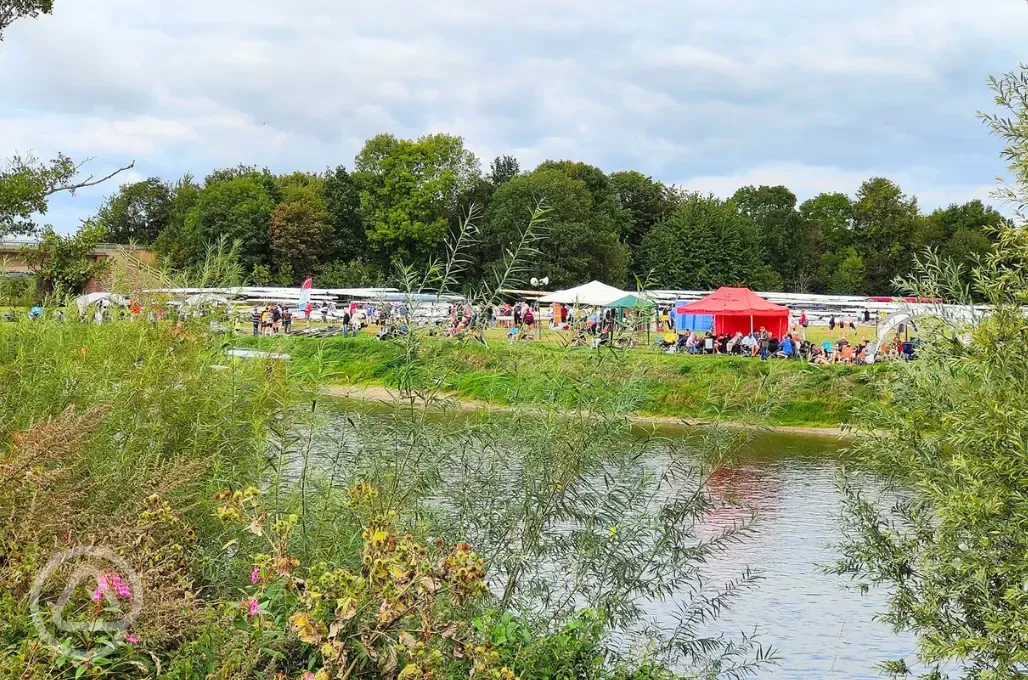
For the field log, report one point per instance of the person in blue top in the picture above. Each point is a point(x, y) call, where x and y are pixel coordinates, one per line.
point(36, 312)
point(786, 348)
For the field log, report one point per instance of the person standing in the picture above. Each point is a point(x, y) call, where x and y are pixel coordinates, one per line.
point(765, 343)
point(346, 323)
point(276, 319)
point(287, 320)
point(255, 318)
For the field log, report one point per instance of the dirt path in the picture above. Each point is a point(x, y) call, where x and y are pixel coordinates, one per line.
point(384, 395)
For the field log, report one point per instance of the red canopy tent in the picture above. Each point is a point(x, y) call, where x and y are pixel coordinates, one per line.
point(740, 310)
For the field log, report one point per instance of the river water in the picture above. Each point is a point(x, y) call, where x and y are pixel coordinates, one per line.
point(819, 628)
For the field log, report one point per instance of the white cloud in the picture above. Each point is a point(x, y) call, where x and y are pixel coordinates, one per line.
point(820, 94)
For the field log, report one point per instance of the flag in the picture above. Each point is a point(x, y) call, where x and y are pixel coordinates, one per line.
point(305, 292)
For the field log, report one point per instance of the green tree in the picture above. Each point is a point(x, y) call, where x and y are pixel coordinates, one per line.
point(826, 227)
point(238, 209)
point(26, 184)
point(342, 200)
point(644, 203)
point(11, 10)
point(300, 234)
point(62, 263)
point(884, 223)
point(843, 272)
point(773, 210)
point(138, 213)
point(949, 434)
point(410, 192)
point(580, 244)
point(503, 169)
point(351, 274)
point(705, 243)
point(171, 245)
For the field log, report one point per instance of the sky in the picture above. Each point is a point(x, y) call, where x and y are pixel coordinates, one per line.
point(709, 95)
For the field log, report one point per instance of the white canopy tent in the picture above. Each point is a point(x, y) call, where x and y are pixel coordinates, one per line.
point(84, 301)
point(592, 294)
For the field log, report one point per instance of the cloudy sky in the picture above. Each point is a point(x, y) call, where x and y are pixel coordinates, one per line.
point(706, 94)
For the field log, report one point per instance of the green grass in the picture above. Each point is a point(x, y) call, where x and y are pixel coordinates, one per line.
point(660, 384)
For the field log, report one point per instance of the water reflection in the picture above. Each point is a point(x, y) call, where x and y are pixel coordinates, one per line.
point(820, 629)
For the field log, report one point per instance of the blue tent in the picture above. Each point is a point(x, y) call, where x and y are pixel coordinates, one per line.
point(691, 322)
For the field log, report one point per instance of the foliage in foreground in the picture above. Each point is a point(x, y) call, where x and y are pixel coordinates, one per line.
point(952, 440)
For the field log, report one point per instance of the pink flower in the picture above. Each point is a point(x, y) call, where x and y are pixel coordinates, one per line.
point(132, 639)
point(255, 575)
point(101, 584)
point(308, 676)
point(253, 607)
point(124, 591)
point(98, 595)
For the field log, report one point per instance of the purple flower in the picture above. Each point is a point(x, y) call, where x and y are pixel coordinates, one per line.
point(132, 639)
point(123, 591)
point(101, 583)
point(253, 607)
point(98, 595)
point(255, 575)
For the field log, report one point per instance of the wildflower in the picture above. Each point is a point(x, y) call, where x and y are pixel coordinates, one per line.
point(255, 575)
point(98, 595)
point(308, 676)
point(253, 605)
point(132, 639)
point(101, 583)
point(121, 588)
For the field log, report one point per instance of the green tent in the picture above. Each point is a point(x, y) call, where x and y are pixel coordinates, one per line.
point(630, 302)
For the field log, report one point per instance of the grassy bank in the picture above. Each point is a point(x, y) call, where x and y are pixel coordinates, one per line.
point(656, 383)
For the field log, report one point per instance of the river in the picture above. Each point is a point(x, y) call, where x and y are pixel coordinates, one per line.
point(818, 627)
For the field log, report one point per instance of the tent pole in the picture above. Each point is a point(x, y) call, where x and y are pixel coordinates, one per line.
point(751, 324)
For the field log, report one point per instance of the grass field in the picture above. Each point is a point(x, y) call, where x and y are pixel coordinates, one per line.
point(657, 383)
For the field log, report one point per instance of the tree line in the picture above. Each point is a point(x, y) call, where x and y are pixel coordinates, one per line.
point(403, 198)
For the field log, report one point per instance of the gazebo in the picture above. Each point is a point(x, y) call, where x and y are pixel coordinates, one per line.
point(740, 310)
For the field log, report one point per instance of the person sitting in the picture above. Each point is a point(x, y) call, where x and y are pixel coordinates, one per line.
point(734, 346)
point(773, 345)
point(748, 345)
point(818, 357)
point(785, 349)
point(512, 335)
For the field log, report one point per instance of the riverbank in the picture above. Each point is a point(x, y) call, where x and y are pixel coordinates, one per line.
point(660, 387)
point(379, 394)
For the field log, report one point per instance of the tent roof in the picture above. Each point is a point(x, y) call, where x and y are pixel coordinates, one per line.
point(593, 294)
point(727, 301)
point(630, 301)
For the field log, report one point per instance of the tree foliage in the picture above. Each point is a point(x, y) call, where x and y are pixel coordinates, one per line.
point(581, 242)
point(62, 263)
point(11, 10)
point(138, 213)
point(26, 183)
point(705, 243)
point(409, 192)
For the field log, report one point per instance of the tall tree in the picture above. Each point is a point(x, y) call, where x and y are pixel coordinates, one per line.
point(300, 235)
point(884, 222)
point(503, 169)
point(410, 192)
point(580, 245)
point(826, 227)
point(238, 209)
point(342, 201)
point(773, 210)
point(705, 243)
point(171, 245)
point(138, 213)
point(644, 203)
